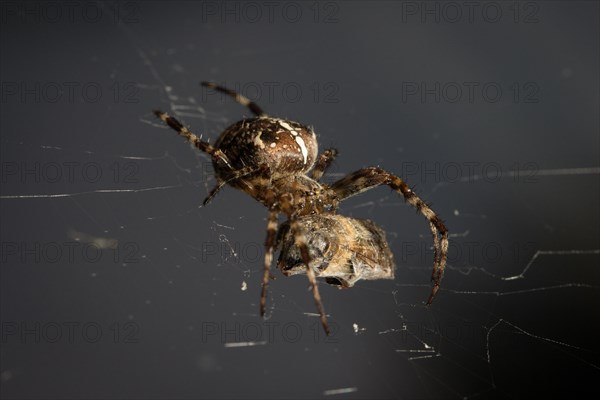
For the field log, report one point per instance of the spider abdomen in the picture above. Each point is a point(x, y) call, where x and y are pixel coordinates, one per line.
point(285, 147)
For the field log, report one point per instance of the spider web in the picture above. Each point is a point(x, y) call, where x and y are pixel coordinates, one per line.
point(514, 316)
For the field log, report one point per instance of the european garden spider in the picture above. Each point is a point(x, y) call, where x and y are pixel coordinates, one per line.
point(269, 158)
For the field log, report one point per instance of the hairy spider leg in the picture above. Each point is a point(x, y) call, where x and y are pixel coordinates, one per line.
point(300, 240)
point(368, 178)
point(269, 246)
point(285, 205)
point(234, 175)
point(206, 147)
point(243, 100)
point(202, 145)
point(323, 162)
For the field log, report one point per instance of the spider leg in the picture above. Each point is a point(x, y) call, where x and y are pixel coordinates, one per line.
point(243, 100)
point(234, 175)
point(269, 245)
point(368, 178)
point(296, 230)
point(323, 162)
point(206, 147)
point(286, 206)
point(214, 191)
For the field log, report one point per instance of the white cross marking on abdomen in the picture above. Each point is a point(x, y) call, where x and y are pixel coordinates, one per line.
point(298, 140)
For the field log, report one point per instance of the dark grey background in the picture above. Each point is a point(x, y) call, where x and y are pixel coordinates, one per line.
point(513, 173)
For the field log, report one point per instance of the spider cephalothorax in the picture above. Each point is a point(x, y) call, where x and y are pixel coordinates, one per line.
point(269, 158)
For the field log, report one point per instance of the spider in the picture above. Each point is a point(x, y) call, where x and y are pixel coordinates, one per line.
point(270, 158)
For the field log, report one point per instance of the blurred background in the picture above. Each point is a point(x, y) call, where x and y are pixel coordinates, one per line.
point(115, 283)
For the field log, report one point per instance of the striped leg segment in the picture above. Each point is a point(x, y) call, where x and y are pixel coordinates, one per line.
point(232, 176)
point(368, 178)
point(269, 246)
point(296, 230)
point(323, 162)
point(217, 155)
point(243, 100)
point(206, 147)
